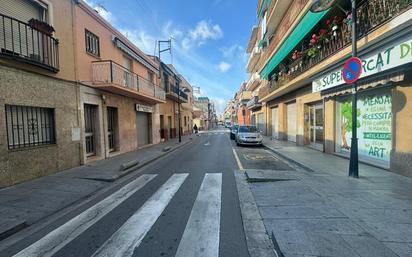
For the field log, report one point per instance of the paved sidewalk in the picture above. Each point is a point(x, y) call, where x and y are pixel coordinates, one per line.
point(26, 203)
point(323, 212)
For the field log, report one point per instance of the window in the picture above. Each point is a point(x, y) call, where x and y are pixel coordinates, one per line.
point(92, 43)
point(29, 126)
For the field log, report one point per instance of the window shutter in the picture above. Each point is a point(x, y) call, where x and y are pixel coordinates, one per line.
point(22, 10)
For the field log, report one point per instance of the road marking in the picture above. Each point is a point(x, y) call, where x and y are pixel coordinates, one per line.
point(271, 154)
point(61, 236)
point(207, 144)
point(239, 164)
point(201, 235)
point(129, 236)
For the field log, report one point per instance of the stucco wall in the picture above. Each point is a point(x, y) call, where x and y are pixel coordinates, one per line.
point(18, 87)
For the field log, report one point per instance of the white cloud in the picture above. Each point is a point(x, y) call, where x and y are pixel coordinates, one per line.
point(224, 66)
point(102, 11)
point(203, 32)
point(142, 40)
point(231, 51)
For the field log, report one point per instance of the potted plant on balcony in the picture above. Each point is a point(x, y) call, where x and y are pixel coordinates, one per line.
point(313, 50)
point(41, 26)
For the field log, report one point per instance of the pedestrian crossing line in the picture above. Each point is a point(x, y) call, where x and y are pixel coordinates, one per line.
point(129, 236)
point(201, 235)
point(61, 236)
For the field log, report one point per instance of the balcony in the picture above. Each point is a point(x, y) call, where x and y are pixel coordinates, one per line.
point(253, 82)
point(19, 41)
point(172, 92)
point(371, 15)
point(253, 59)
point(252, 40)
point(245, 96)
point(253, 103)
point(112, 77)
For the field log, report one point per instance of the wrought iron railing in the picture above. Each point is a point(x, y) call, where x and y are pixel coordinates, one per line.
point(110, 72)
point(371, 15)
point(20, 41)
point(254, 101)
point(175, 91)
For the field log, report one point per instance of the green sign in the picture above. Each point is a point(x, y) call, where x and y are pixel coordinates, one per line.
point(397, 54)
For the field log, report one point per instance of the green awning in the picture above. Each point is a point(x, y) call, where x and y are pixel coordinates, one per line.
point(264, 2)
point(299, 32)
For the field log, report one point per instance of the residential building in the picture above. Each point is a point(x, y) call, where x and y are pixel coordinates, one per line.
point(202, 104)
point(302, 55)
point(186, 115)
point(175, 96)
point(243, 113)
point(39, 116)
point(120, 89)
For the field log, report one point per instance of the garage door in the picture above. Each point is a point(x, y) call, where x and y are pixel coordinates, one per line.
point(275, 123)
point(291, 116)
point(143, 128)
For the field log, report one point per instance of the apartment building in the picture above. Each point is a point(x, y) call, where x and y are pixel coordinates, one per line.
point(243, 114)
point(301, 58)
point(186, 115)
point(120, 89)
point(39, 117)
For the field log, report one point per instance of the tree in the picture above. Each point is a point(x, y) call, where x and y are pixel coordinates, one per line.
point(346, 112)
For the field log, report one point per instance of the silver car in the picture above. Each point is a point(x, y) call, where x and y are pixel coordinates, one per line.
point(248, 135)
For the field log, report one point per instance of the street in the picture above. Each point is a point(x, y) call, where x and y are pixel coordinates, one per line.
point(185, 204)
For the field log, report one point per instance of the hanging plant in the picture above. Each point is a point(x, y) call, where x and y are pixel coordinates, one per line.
point(295, 55)
point(314, 46)
point(41, 26)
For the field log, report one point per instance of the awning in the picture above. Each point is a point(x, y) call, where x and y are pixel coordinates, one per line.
point(134, 55)
point(365, 84)
point(305, 25)
point(265, 5)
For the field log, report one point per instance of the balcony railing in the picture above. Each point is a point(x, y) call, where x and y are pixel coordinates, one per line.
point(174, 90)
point(371, 15)
point(109, 72)
point(20, 41)
point(253, 102)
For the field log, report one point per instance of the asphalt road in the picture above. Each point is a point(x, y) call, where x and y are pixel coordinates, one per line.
point(185, 204)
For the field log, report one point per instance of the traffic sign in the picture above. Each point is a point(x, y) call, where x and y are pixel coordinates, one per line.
point(352, 69)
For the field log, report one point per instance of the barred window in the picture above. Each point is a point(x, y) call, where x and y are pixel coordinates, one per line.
point(92, 43)
point(29, 126)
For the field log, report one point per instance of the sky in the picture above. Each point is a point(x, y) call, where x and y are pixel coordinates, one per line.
point(209, 37)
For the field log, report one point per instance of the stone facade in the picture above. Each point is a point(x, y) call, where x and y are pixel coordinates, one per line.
point(23, 88)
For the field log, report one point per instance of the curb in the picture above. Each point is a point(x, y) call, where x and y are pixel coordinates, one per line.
point(284, 156)
point(19, 227)
point(147, 162)
point(258, 241)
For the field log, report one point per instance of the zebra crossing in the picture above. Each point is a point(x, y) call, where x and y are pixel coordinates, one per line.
point(200, 236)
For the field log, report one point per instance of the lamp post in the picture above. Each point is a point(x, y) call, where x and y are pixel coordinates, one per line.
point(322, 5)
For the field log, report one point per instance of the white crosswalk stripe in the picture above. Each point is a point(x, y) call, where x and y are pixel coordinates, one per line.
point(58, 238)
point(201, 235)
point(123, 242)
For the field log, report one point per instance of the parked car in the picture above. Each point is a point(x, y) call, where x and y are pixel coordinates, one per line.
point(233, 132)
point(248, 135)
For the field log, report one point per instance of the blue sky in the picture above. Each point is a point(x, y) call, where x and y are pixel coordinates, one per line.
point(210, 37)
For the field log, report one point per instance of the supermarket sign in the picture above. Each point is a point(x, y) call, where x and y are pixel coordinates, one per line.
point(397, 54)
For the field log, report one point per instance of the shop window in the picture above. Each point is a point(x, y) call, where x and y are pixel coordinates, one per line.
point(92, 43)
point(374, 126)
point(29, 126)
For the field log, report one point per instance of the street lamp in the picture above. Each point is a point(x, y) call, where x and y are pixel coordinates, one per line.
point(322, 5)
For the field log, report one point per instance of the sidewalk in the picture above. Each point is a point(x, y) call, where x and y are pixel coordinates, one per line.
point(320, 211)
point(26, 203)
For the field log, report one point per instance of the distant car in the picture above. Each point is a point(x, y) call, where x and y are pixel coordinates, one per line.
point(248, 135)
point(233, 132)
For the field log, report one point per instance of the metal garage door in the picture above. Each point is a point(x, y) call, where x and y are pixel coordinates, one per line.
point(291, 116)
point(143, 128)
point(275, 123)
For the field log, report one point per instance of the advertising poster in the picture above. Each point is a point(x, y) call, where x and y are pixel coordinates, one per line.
point(374, 125)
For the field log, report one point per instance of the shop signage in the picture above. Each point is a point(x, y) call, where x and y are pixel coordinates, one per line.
point(374, 125)
point(394, 55)
point(352, 70)
point(143, 108)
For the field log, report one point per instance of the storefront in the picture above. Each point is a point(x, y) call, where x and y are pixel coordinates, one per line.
point(314, 123)
point(274, 123)
point(384, 107)
point(291, 121)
